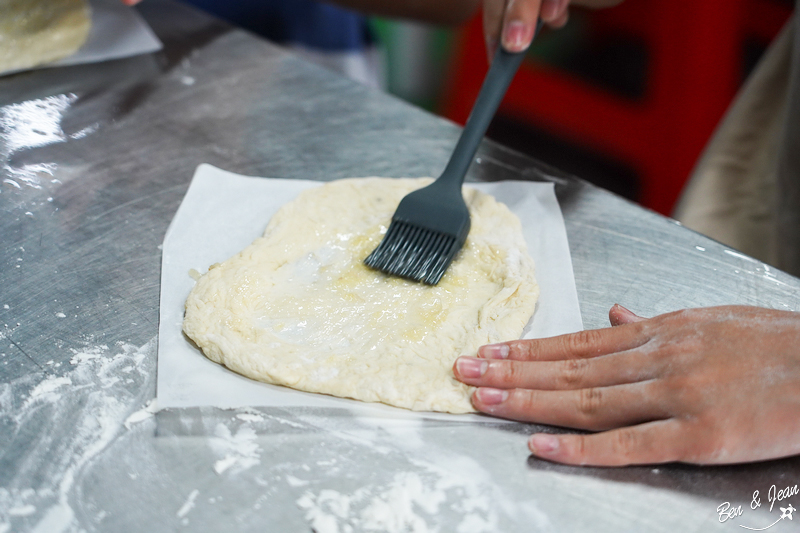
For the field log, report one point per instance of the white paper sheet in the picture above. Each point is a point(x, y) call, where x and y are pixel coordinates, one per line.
point(117, 31)
point(222, 213)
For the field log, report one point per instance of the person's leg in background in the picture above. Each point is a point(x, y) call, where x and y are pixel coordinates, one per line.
point(730, 195)
point(745, 189)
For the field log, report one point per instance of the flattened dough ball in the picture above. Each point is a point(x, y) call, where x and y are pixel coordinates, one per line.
point(298, 307)
point(37, 32)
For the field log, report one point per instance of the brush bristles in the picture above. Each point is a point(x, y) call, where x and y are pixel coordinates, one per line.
point(413, 253)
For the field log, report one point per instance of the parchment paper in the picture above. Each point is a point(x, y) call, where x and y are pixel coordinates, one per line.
point(222, 213)
point(117, 31)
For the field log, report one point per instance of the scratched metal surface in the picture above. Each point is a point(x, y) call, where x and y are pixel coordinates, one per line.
point(95, 161)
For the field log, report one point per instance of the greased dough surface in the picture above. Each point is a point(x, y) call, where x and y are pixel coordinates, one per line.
point(37, 32)
point(298, 307)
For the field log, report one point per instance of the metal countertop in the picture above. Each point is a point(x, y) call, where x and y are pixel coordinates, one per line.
point(94, 161)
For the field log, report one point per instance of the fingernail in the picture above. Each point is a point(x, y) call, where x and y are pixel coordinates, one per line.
point(542, 444)
point(470, 367)
point(490, 396)
point(494, 351)
point(517, 36)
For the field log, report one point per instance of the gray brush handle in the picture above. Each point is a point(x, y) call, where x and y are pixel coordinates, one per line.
point(504, 67)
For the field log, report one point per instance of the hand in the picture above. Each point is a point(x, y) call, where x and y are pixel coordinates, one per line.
point(705, 386)
point(516, 20)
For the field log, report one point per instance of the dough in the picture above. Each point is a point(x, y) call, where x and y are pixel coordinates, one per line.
point(36, 32)
point(298, 307)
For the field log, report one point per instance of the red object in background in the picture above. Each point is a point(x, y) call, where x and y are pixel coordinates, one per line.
point(694, 69)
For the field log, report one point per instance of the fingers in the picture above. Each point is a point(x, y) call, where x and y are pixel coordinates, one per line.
point(493, 11)
point(596, 408)
point(654, 442)
point(560, 21)
point(587, 343)
point(519, 24)
point(567, 374)
point(554, 12)
point(618, 315)
point(511, 23)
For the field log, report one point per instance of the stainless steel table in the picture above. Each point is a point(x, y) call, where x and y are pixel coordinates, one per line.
point(95, 160)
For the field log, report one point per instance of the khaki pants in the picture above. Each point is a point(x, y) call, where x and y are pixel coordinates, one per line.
point(733, 193)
